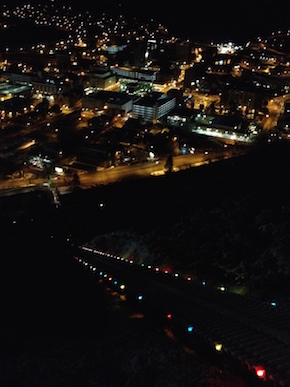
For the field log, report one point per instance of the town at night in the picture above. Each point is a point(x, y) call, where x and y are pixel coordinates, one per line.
point(144, 194)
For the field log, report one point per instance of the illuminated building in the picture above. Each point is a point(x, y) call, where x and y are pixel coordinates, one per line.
point(108, 99)
point(132, 73)
point(153, 106)
point(100, 79)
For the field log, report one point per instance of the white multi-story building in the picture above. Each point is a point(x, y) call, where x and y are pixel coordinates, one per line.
point(153, 106)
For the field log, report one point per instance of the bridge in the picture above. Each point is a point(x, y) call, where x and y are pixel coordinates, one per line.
point(251, 333)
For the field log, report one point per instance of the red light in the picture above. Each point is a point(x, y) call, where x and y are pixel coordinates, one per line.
point(260, 372)
point(169, 316)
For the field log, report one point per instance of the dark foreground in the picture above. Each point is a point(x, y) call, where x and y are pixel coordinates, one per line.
point(59, 327)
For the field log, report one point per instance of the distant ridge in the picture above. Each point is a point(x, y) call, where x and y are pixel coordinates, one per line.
point(199, 21)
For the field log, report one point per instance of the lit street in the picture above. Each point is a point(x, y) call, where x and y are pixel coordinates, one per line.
point(120, 172)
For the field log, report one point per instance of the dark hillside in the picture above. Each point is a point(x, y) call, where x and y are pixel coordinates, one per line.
point(59, 327)
point(226, 222)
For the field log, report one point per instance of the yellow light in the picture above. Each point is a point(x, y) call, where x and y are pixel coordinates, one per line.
point(218, 347)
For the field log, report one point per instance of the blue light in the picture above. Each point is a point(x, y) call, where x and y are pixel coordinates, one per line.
point(140, 298)
point(190, 329)
point(273, 303)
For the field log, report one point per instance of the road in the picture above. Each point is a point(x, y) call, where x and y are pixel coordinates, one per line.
point(252, 333)
point(275, 107)
point(121, 172)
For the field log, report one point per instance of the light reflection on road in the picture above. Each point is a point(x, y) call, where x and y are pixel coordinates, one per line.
point(122, 172)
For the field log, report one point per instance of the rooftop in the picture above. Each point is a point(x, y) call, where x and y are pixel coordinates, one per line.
point(8, 88)
point(153, 98)
point(112, 96)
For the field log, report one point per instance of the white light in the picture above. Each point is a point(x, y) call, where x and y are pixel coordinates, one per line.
point(59, 170)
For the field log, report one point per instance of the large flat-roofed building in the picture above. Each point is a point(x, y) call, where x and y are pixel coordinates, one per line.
point(153, 106)
point(14, 106)
point(51, 86)
point(44, 84)
point(96, 154)
point(9, 90)
point(100, 79)
point(180, 116)
point(132, 73)
point(14, 99)
point(113, 100)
